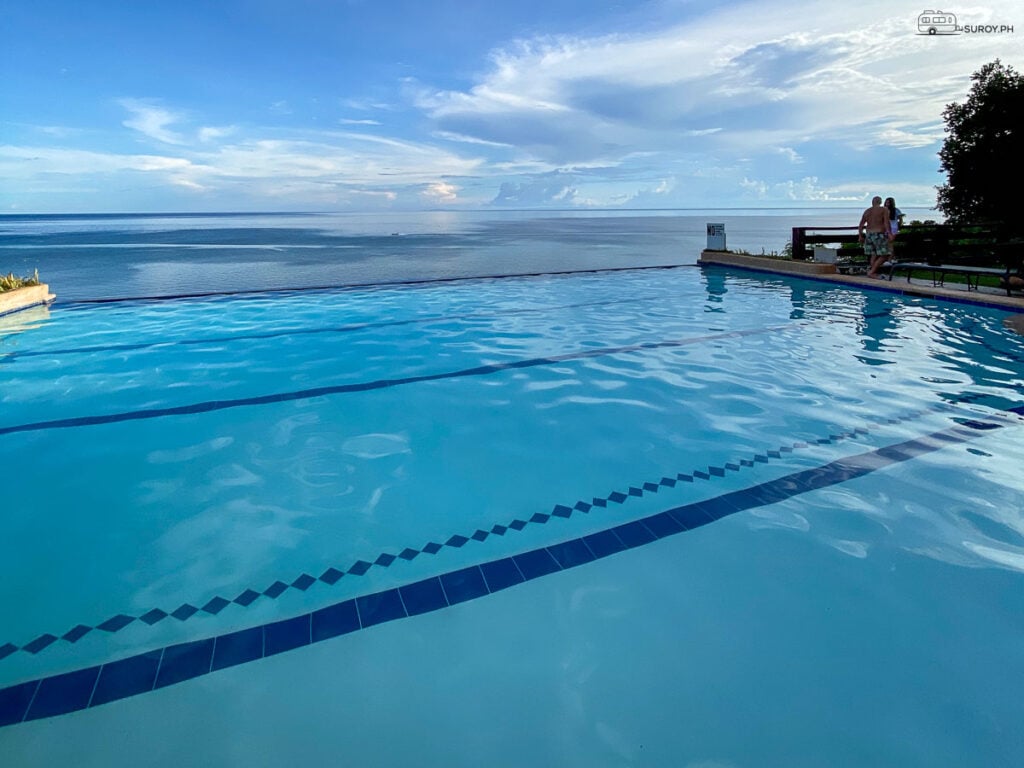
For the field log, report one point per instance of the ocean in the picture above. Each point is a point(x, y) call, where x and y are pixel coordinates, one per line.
point(88, 257)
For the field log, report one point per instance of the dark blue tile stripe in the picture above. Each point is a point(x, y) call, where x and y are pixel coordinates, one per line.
point(127, 677)
point(364, 386)
point(334, 620)
point(62, 694)
point(380, 607)
point(287, 635)
point(15, 701)
point(704, 513)
point(423, 596)
point(501, 574)
point(463, 585)
point(73, 691)
point(184, 661)
point(238, 648)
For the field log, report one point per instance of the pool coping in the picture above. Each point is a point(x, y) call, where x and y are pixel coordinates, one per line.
point(828, 273)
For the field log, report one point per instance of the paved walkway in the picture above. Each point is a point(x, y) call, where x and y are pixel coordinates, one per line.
point(995, 297)
point(952, 291)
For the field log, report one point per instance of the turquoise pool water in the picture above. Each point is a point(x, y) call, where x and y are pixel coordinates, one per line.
point(653, 517)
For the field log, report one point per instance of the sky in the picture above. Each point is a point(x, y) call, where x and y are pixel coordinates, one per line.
point(400, 105)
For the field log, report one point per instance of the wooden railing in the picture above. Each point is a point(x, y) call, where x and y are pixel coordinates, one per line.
point(968, 245)
point(804, 236)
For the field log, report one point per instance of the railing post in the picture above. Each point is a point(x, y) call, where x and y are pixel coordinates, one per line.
point(798, 243)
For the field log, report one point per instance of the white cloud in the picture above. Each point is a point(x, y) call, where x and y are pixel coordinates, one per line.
point(59, 131)
point(152, 121)
point(441, 192)
point(743, 76)
point(805, 190)
point(462, 139)
point(325, 170)
point(385, 195)
point(21, 162)
point(365, 105)
point(212, 133)
point(185, 182)
point(922, 136)
point(355, 157)
point(547, 189)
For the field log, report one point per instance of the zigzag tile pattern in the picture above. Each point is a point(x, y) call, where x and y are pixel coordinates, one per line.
point(331, 576)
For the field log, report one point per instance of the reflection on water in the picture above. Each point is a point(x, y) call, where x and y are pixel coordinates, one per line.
point(714, 284)
point(23, 320)
point(876, 326)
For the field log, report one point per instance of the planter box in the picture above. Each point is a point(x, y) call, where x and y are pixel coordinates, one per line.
point(23, 298)
point(766, 264)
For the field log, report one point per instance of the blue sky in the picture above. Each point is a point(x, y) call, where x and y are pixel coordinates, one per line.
point(365, 105)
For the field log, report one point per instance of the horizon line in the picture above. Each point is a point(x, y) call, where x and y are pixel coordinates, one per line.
point(14, 214)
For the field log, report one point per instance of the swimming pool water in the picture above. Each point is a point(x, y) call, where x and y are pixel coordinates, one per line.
point(837, 578)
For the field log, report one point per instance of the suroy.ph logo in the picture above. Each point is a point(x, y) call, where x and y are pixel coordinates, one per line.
point(946, 23)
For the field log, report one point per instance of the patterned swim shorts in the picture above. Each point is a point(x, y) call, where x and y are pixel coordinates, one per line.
point(876, 244)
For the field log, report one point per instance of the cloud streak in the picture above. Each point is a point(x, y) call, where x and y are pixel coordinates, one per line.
point(152, 121)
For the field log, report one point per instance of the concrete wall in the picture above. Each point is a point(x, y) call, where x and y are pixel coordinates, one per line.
point(22, 298)
point(789, 266)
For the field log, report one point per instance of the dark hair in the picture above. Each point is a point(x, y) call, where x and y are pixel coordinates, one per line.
point(891, 205)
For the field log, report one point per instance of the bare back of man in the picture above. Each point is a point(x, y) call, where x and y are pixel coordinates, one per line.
point(875, 234)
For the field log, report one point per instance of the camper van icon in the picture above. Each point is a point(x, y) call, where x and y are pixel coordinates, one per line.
point(937, 23)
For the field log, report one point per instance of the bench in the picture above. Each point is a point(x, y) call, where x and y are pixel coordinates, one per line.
point(939, 272)
point(970, 251)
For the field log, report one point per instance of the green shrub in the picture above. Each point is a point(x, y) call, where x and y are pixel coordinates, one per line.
point(9, 282)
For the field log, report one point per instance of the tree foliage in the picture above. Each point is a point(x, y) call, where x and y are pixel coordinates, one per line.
point(983, 153)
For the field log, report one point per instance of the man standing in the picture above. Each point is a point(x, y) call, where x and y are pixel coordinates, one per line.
point(875, 234)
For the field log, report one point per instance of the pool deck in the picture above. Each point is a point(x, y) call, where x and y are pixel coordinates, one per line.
point(993, 297)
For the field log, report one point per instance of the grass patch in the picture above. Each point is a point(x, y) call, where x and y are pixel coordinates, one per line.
point(10, 281)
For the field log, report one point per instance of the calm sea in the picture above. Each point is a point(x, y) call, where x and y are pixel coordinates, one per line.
point(125, 256)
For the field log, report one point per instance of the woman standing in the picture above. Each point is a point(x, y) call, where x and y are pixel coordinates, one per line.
point(895, 220)
point(895, 215)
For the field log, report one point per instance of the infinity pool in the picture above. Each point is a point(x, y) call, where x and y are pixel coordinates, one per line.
point(663, 517)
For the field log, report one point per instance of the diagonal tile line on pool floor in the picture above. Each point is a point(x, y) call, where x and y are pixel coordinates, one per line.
point(214, 605)
point(367, 386)
point(148, 671)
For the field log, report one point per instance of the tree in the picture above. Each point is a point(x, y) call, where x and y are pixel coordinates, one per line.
point(983, 153)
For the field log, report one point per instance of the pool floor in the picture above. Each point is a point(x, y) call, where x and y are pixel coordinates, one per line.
point(689, 518)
